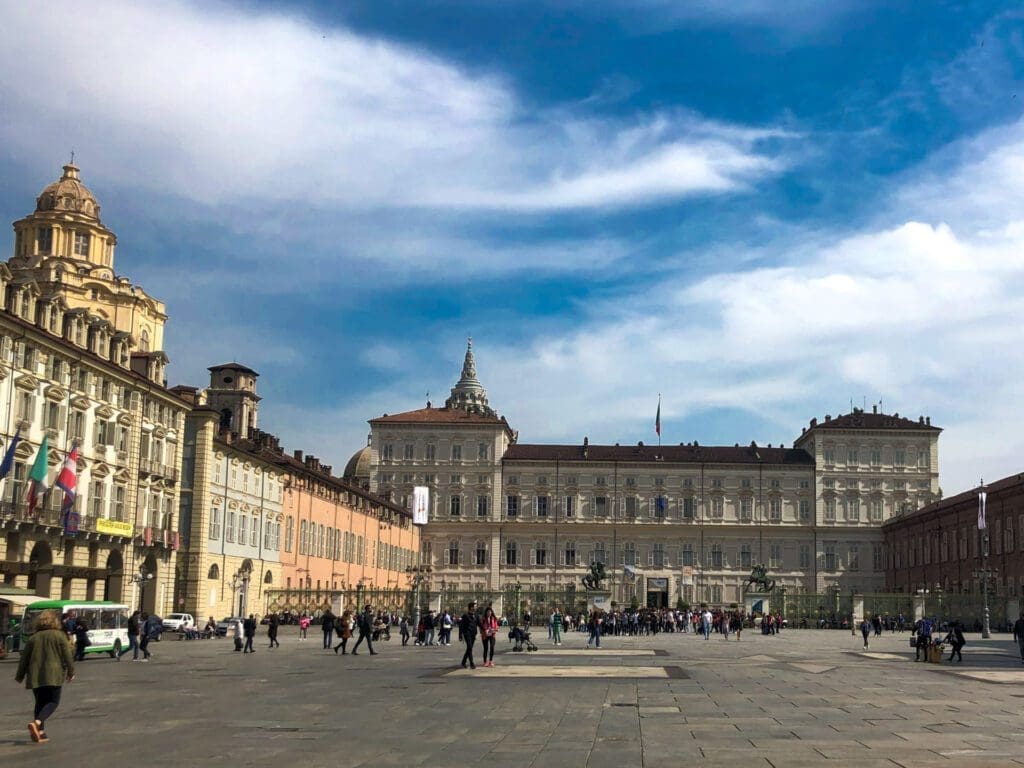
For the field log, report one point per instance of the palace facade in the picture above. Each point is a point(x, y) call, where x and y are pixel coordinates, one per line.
point(683, 521)
point(81, 362)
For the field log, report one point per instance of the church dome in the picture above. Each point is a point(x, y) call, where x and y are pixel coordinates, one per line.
point(358, 468)
point(69, 194)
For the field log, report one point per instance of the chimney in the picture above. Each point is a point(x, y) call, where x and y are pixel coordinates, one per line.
point(803, 430)
point(874, 409)
point(586, 441)
point(928, 420)
point(920, 419)
point(298, 455)
point(814, 421)
point(828, 417)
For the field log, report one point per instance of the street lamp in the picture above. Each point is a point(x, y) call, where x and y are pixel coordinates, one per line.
point(141, 579)
point(985, 574)
point(417, 573)
point(519, 589)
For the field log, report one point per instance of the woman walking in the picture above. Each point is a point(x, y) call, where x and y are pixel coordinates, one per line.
point(272, 624)
point(46, 663)
point(595, 628)
point(344, 631)
point(956, 639)
point(489, 630)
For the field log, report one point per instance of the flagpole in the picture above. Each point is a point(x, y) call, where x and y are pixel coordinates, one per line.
point(986, 627)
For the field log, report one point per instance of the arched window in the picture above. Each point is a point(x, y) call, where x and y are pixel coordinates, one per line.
point(269, 578)
point(214, 572)
point(144, 341)
point(225, 418)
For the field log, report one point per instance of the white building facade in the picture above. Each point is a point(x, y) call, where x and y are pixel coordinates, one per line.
point(669, 522)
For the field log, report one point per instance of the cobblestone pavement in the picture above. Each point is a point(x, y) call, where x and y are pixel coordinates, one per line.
point(801, 698)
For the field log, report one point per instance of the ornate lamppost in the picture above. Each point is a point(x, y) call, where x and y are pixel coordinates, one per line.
point(141, 578)
point(418, 575)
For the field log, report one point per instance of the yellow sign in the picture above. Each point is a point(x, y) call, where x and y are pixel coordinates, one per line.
point(114, 527)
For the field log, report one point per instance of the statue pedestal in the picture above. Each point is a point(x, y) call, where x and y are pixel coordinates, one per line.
point(757, 601)
point(600, 599)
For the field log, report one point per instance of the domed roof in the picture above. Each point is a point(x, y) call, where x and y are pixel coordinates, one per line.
point(358, 467)
point(69, 194)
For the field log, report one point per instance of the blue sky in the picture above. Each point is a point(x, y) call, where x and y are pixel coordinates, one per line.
point(762, 210)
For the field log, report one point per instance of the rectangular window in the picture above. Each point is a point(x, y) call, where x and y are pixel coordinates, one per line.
point(854, 558)
point(453, 552)
point(540, 554)
point(600, 480)
point(214, 523)
point(387, 452)
point(717, 556)
point(687, 555)
point(775, 556)
point(410, 452)
point(852, 457)
point(600, 506)
point(289, 534)
point(570, 553)
point(455, 506)
point(805, 484)
point(631, 482)
point(876, 457)
point(430, 452)
point(657, 555)
point(512, 506)
point(97, 501)
point(829, 456)
point(878, 556)
point(81, 243)
point(746, 557)
point(746, 509)
point(511, 553)
point(830, 510)
point(53, 416)
point(480, 558)
point(630, 506)
point(805, 509)
point(775, 509)
point(455, 479)
point(456, 452)
point(805, 556)
point(853, 510)
point(482, 505)
point(899, 458)
point(746, 483)
point(875, 507)
point(688, 508)
point(44, 240)
point(118, 512)
point(660, 504)
point(483, 452)
point(229, 529)
point(629, 553)
point(543, 504)
point(717, 507)
point(831, 562)
point(716, 593)
point(716, 483)
point(599, 553)
point(243, 528)
point(254, 532)
point(268, 535)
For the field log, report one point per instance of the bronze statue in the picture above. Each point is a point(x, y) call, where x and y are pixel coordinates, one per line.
point(759, 578)
point(597, 575)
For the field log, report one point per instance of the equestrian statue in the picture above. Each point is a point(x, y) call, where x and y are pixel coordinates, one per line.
point(759, 578)
point(597, 575)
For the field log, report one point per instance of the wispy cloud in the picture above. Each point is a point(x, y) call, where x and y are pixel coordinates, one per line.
point(225, 105)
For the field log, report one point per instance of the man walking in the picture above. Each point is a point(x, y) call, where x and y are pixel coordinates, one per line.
point(467, 629)
point(327, 625)
point(249, 628)
point(272, 624)
point(706, 619)
point(133, 637)
point(924, 639)
point(1018, 635)
point(556, 626)
point(365, 624)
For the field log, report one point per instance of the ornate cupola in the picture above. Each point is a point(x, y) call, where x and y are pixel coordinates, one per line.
point(469, 394)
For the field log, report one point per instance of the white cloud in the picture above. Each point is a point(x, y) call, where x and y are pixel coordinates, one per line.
point(228, 106)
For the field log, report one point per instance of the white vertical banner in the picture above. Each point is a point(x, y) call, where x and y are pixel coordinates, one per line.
point(420, 504)
point(981, 510)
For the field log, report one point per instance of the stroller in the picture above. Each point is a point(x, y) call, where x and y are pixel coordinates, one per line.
point(521, 638)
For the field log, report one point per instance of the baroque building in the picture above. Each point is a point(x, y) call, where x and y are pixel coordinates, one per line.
point(81, 362)
point(683, 521)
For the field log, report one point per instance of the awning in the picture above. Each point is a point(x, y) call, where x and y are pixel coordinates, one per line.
point(18, 598)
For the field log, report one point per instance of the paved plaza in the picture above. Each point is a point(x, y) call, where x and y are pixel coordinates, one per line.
point(800, 698)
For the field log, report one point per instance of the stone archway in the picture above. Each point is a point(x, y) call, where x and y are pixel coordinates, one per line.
point(40, 563)
point(113, 583)
point(149, 587)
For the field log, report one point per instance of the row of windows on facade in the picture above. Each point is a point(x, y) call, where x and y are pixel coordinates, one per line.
point(429, 453)
point(81, 242)
point(273, 489)
point(965, 543)
point(331, 492)
point(74, 326)
point(876, 457)
point(658, 555)
point(243, 529)
point(105, 500)
point(318, 540)
point(80, 379)
point(106, 433)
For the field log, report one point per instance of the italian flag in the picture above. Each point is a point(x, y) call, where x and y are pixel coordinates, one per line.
point(37, 476)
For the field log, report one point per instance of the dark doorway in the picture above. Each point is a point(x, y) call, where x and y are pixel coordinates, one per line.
point(40, 568)
point(114, 580)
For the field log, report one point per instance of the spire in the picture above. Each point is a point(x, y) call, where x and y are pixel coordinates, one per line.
point(469, 394)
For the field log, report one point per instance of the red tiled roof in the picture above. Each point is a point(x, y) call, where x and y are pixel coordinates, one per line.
point(669, 454)
point(862, 420)
point(438, 416)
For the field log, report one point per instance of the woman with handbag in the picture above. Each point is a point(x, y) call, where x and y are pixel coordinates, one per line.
point(489, 631)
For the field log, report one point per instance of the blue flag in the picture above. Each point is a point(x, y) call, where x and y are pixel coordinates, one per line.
point(8, 462)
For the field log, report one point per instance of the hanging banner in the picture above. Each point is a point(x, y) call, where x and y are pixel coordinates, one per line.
point(71, 520)
point(420, 504)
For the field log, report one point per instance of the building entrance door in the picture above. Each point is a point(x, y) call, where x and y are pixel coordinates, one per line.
point(657, 593)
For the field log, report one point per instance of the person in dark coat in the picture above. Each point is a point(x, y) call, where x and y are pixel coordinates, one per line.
point(45, 664)
point(133, 637)
point(272, 624)
point(365, 625)
point(956, 640)
point(249, 629)
point(468, 625)
point(81, 639)
point(327, 626)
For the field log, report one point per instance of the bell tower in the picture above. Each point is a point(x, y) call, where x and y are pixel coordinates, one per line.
point(232, 392)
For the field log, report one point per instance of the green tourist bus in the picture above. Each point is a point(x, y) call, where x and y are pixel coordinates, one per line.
point(107, 622)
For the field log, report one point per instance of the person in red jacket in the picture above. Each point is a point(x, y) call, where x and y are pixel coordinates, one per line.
point(489, 631)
